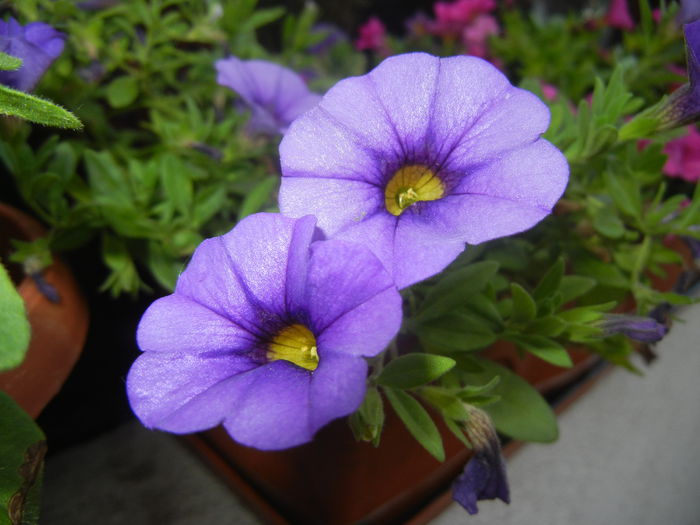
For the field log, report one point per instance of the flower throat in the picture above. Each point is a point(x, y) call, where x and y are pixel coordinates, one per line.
point(296, 344)
point(409, 185)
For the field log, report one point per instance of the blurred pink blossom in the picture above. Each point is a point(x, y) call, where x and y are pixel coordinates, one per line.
point(549, 91)
point(618, 15)
point(476, 34)
point(372, 37)
point(684, 156)
point(451, 18)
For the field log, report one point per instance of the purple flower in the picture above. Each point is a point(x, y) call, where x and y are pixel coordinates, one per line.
point(683, 106)
point(419, 157)
point(37, 44)
point(639, 328)
point(690, 11)
point(267, 332)
point(275, 95)
point(484, 476)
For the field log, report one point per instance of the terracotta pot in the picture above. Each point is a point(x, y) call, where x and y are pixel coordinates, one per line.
point(58, 330)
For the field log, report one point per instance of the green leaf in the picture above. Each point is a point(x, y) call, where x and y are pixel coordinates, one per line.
point(257, 197)
point(367, 422)
point(454, 289)
point(8, 62)
point(606, 222)
point(417, 421)
point(543, 347)
point(524, 308)
point(522, 412)
point(550, 281)
point(35, 109)
point(573, 286)
point(449, 404)
point(549, 325)
point(14, 326)
point(177, 183)
point(22, 450)
point(122, 91)
point(625, 192)
point(414, 370)
point(459, 332)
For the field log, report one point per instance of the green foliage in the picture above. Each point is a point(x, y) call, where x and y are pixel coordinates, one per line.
point(417, 421)
point(521, 412)
point(367, 422)
point(22, 450)
point(34, 109)
point(414, 370)
point(14, 326)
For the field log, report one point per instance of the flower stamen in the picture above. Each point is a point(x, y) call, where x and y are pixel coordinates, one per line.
point(296, 344)
point(409, 185)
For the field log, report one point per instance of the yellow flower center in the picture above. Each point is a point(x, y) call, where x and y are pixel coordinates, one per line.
point(409, 185)
point(296, 344)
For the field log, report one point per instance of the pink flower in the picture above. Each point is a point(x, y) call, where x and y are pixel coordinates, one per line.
point(618, 15)
point(451, 18)
point(372, 36)
point(549, 91)
point(476, 34)
point(684, 156)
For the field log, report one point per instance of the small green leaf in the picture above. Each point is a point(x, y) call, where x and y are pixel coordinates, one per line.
point(449, 404)
point(22, 449)
point(524, 308)
point(14, 326)
point(550, 281)
point(35, 109)
point(543, 347)
point(549, 325)
point(122, 91)
point(414, 370)
point(455, 288)
point(417, 421)
point(573, 286)
point(459, 332)
point(367, 422)
point(177, 183)
point(9, 63)
point(521, 413)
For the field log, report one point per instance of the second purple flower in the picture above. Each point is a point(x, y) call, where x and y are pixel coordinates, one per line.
point(266, 332)
point(419, 157)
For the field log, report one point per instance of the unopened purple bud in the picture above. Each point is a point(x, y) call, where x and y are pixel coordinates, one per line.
point(683, 106)
point(639, 328)
point(484, 476)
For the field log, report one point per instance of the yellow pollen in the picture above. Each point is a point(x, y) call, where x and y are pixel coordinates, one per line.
point(409, 185)
point(296, 344)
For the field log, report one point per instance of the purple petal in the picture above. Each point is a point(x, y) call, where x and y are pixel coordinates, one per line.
point(484, 477)
point(410, 246)
point(337, 388)
point(183, 393)
point(506, 196)
point(177, 324)
point(352, 301)
point(271, 407)
point(45, 37)
point(37, 44)
point(352, 200)
point(276, 94)
point(416, 74)
point(346, 136)
point(245, 272)
point(269, 253)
